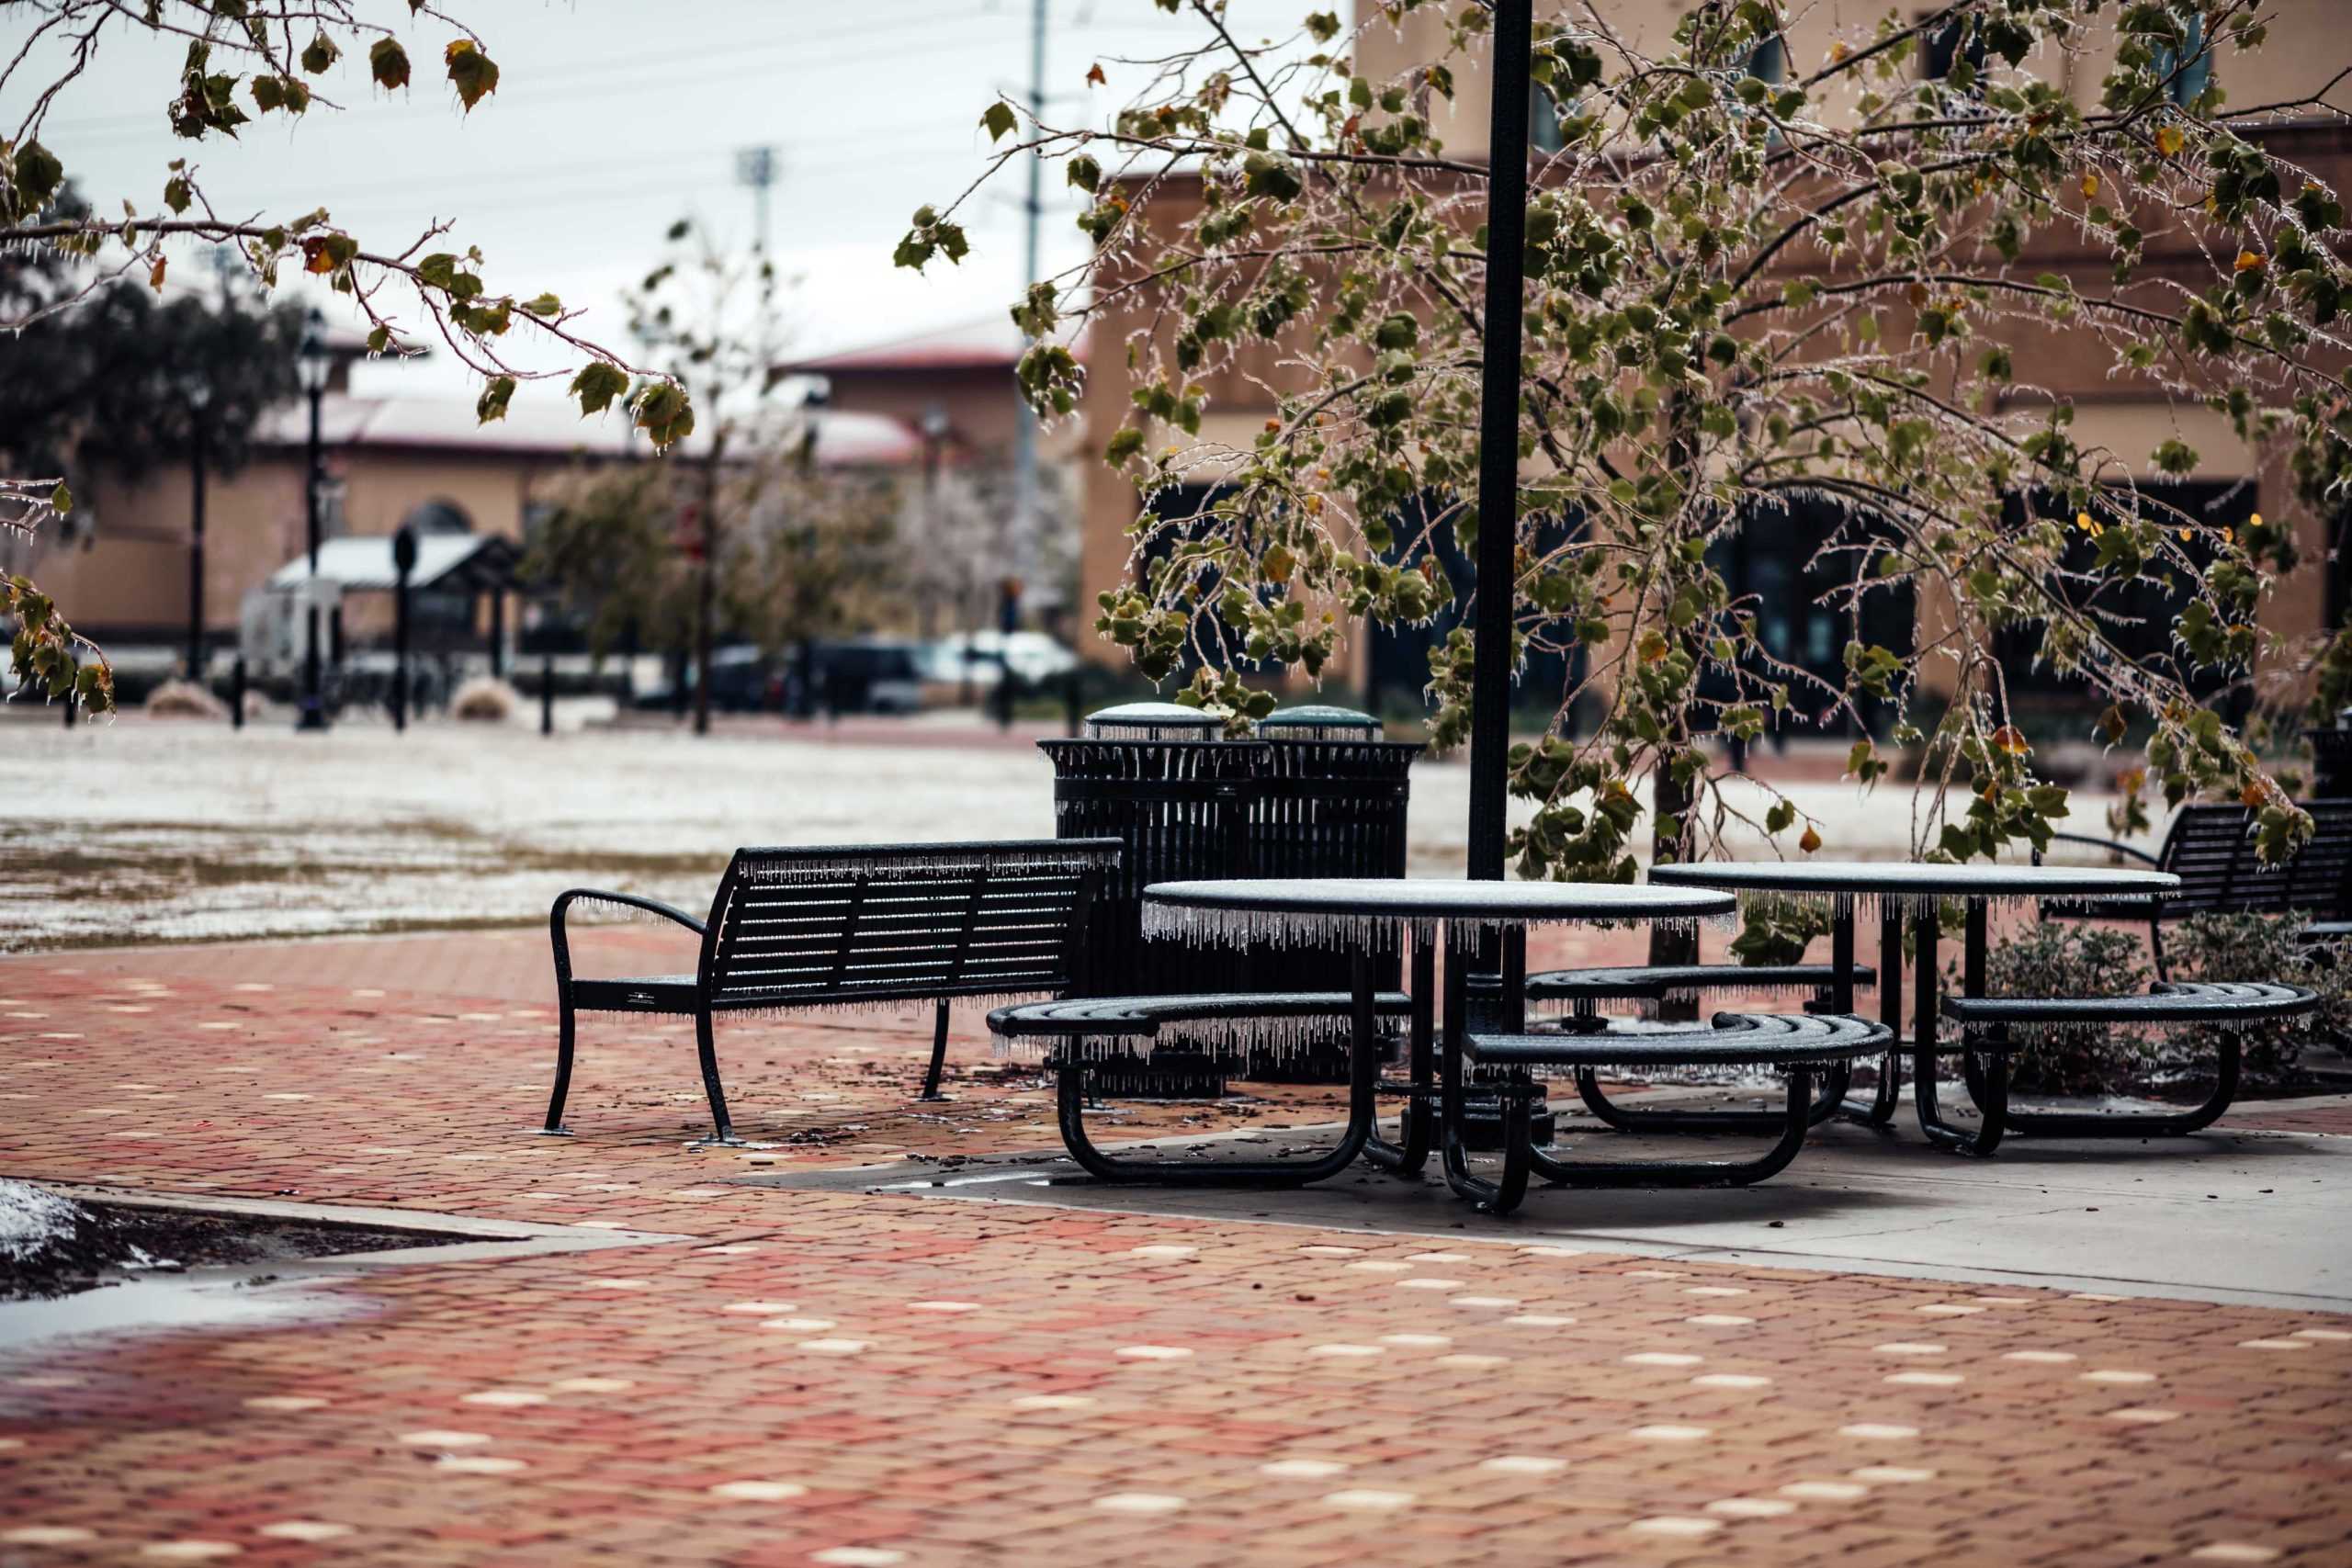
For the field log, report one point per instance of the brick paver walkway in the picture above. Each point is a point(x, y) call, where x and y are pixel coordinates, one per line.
point(823, 1378)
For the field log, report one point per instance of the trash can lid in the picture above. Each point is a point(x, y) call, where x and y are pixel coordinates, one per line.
point(1321, 719)
point(1154, 721)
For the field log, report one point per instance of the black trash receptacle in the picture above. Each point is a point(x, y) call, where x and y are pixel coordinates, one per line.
point(1160, 778)
point(1332, 803)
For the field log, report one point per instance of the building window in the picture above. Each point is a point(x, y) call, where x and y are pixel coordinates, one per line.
point(1543, 120)
point(2189, 85)
point(1770, 61)
point(1944, 50)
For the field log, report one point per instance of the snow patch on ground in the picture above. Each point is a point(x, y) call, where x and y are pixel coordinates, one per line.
point(31, 1220)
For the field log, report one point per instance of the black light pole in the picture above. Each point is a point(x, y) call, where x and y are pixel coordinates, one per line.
point(1498, 439)
point(199, 395)
point(315, 366)
point(403, 563)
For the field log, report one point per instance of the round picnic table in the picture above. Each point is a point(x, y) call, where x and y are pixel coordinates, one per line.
point(1371, 916)
point(1896, 890)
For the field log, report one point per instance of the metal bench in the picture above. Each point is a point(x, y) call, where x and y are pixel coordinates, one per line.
point(1224, 1022)
point(1585, 989)
point(1801, 1046)
point(852, 926)
point(2212, 850)
point(2218, 1003)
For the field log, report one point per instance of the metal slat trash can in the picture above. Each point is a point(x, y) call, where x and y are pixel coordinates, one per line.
point(1332, 803)
point(1160, 778)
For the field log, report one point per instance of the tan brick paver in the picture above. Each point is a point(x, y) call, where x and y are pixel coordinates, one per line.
point(927, 1381)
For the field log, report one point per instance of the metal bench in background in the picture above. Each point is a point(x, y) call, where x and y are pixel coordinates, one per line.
point(2212, 850)
point(848, 927)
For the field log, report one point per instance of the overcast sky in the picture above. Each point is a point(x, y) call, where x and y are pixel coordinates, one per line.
point(613, 118)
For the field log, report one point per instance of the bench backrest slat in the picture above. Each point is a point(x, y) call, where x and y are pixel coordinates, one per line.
point(2211, 849)
point(813, 928)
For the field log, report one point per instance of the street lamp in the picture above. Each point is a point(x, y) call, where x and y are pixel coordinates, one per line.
point(935, 426)
point(316, 364)
point(198, 394)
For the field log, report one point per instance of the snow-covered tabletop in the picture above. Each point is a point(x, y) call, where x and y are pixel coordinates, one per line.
point(1911, 883)
point(1273, 911)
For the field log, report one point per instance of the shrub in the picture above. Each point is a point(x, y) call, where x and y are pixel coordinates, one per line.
point(486, 700)
point(1776, 930)
point(2264, 947)
point(2050, 958)
point(182, 699)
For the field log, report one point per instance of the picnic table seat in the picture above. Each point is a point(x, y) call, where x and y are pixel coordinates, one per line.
point(1224, 1021)
point(849, 926)
point(1653, 984)
point(1801, 1046)
point(1987, 1026)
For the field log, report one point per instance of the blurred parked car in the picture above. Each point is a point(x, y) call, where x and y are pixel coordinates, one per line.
point(1032, 656)
point(743, 679)
point(868, 675)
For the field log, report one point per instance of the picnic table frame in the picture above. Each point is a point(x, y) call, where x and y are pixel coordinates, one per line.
point(1919, 891)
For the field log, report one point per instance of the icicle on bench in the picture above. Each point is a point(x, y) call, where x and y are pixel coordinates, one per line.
point(1799, 1046)
point(1987, 1023)
point(1652, 984)
point(854, 926)
point(1086, 1030)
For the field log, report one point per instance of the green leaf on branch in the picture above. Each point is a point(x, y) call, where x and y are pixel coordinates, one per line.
point(491, 404)
point(387, 64)
point(596, 386)
point(471, 71)
point(322, 53)
point(663, 413)
point(999, 120)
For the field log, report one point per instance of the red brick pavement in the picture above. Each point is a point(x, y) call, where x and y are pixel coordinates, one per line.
point(823, 1377)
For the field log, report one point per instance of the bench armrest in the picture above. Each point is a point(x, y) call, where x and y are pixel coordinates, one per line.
point(2108, 844)
point(562, 941)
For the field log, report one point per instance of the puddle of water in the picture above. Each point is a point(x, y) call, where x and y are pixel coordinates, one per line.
point(202, 1298)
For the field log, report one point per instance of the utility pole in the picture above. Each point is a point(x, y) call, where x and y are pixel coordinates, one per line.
point(755, 167)
point(1024, 450)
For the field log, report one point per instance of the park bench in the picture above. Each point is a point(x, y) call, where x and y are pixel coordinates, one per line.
point(2212, 850)
point(1987, 1026)
point(1086, 1030)
point(1653, 984)
point(1799, 1046)
point(870, 926)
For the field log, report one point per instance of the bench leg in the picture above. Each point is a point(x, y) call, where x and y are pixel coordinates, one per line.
point(1070, 1105)
point(1988, 1086)
point(938, 1052)
point(1888, 1097)
point(1417, 1123)
point(2136, 1124)
point(1797, 1114)
point(1497, 1197)
point(707, 1049)
point(565, 1029)
point(1624, 1119)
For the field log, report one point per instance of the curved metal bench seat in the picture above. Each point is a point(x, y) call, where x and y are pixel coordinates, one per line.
point(1656, 982)
point(1799, 1044)
point(2202, 1001)
point(1142, 1017)
point(1224, 1020)
point(1986, 1023)
point(1729, 1040)
point(1652, 984)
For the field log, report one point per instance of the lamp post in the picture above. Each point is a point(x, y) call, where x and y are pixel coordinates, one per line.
point(936, 427)
point(199, 397)
point(403, 565)
point(316, 364)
